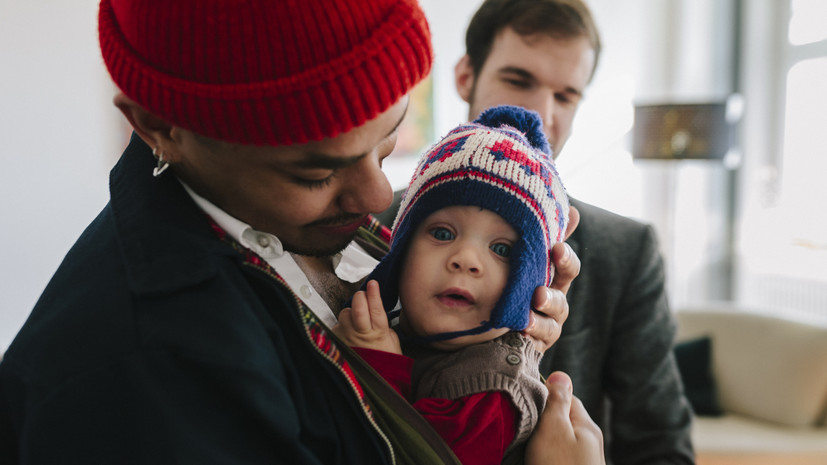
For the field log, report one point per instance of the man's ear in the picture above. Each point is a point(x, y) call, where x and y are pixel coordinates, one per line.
point(464, 78)
point(156, 132)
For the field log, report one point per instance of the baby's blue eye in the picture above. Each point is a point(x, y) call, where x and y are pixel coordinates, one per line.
point(503, 250)
point(442, 234)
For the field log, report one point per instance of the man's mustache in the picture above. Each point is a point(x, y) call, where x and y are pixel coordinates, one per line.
point(336, 220)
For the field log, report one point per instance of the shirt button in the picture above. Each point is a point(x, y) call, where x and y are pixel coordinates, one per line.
point(264, 241)
point(513, 359)
point(306, 291)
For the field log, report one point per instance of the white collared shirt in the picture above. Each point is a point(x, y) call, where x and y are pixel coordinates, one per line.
point(351, 265)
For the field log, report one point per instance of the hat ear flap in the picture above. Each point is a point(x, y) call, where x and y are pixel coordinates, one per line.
point(525, 274)
point(386, 274)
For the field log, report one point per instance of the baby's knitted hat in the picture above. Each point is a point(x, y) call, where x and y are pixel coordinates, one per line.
point(500, 162)
point(265, 72)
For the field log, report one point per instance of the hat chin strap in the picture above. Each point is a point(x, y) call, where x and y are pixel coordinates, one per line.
point(425, 340)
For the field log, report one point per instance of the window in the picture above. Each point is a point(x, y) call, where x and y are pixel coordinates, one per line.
point(783, 253)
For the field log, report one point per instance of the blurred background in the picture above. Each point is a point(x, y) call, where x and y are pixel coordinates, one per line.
point(745, 227)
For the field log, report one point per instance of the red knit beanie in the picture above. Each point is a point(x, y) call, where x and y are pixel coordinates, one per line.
point(265, 72)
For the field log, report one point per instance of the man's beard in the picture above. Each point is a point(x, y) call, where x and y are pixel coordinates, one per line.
point(311, 251)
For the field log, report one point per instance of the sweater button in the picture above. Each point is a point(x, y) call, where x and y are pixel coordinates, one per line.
point(515, 342)
point(513, 359)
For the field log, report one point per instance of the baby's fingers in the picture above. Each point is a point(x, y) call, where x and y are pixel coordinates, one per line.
point(378, 316)
point(360, 313)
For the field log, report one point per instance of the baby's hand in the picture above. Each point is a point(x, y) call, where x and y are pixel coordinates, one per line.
point(366, 323)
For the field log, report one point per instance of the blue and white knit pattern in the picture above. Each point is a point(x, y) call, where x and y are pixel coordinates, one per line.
point(490, 163)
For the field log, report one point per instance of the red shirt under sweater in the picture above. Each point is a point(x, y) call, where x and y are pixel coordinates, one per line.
point(478, 427)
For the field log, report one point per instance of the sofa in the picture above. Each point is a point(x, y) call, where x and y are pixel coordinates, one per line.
point(758, 384)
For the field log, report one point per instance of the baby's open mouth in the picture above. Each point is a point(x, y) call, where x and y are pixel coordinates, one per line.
point(455, 297)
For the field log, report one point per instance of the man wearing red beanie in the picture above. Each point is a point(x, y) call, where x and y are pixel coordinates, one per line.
point(189, 323)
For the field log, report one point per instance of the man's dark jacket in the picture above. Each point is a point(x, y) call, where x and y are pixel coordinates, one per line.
point(157, 343)
point(617, 342)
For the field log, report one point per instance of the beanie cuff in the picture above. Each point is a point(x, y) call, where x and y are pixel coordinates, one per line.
point(325, 100)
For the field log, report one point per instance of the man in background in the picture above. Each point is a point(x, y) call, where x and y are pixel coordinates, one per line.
point(617, 342)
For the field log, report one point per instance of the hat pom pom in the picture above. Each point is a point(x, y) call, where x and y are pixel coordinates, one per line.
point(526, 121)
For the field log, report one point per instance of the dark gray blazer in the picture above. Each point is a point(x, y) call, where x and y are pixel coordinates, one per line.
point(617, 342)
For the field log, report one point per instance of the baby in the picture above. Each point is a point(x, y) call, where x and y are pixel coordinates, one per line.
point(470, 243)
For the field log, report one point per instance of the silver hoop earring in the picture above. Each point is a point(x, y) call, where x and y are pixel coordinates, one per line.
point(162, 164)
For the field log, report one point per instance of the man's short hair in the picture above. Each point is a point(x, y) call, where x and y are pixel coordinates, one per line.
point(555, 18)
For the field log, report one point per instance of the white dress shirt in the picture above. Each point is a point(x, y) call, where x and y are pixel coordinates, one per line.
point(351, 265)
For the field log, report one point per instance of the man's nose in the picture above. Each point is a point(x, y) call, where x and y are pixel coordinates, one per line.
point(366, 189)
point(545, 106)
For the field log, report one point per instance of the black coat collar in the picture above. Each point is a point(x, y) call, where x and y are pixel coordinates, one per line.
point(165, 238)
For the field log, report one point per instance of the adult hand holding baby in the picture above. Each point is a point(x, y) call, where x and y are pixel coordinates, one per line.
point(550, 308)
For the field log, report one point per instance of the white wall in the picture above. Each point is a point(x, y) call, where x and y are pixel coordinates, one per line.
point(59, 134)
